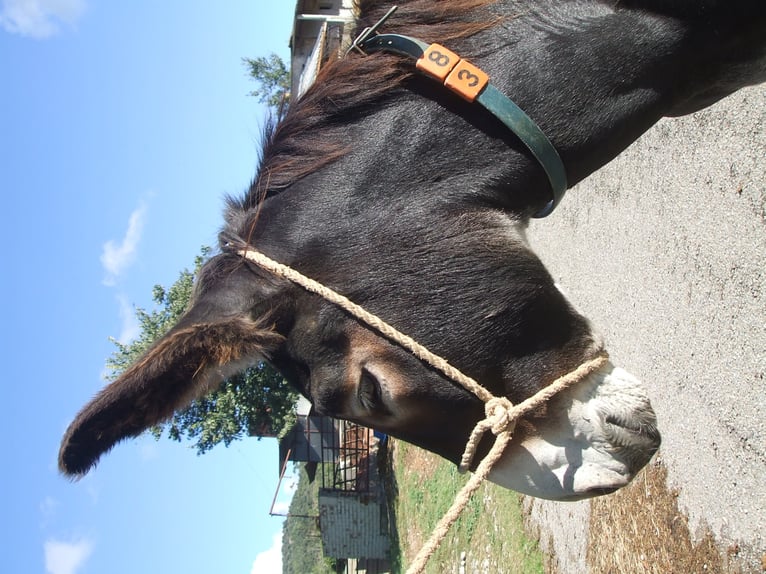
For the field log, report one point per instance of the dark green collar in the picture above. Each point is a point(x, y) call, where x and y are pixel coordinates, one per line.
point(473, 85)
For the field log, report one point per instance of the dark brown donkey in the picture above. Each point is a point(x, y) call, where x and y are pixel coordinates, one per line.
point(412, 202)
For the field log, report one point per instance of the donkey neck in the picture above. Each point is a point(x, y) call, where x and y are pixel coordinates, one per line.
point(596, 75)
point(583, 75)
point(593, 75)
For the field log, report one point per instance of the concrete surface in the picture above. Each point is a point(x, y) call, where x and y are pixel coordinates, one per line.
point(665, 251)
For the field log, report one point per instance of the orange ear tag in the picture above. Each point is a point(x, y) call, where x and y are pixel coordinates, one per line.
point(437, 62)
point(466, 80)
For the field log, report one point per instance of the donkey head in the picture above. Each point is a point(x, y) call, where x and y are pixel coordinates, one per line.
point(370, 187)
point(587, 441)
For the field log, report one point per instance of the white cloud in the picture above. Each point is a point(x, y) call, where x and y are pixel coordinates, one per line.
point(116, 258)
point(130, 328)
point(66, 557)
point(39, 18)
point(269, 561)
point(281, 508)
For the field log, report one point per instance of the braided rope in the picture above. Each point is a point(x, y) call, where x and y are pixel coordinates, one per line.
point(501, 415)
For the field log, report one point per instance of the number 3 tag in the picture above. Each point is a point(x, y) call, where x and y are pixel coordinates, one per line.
point(467, 80)
point(457, 74)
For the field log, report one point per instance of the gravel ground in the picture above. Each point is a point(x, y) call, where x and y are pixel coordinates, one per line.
point(665, 251)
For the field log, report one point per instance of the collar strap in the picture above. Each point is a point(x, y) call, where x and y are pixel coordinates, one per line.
point(472, 84)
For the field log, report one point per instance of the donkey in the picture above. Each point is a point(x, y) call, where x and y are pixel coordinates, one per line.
point(413, 202)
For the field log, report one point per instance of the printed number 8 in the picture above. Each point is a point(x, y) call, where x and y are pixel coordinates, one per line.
point(439, 59)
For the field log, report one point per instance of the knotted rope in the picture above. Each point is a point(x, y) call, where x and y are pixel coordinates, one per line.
point(500, 414)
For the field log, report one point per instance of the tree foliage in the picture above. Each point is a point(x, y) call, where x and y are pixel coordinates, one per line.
point(257, 402)
point(273, 79)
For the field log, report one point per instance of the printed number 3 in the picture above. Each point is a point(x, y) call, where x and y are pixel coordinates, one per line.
point(470, 79)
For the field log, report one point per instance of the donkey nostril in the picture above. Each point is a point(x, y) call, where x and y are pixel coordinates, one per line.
point(637, 439)
point(627, 423)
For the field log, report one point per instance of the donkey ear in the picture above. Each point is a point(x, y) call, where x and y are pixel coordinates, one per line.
point(188, 362)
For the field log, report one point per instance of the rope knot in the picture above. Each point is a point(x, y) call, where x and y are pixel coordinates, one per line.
point(498, 411)
point(499, 417)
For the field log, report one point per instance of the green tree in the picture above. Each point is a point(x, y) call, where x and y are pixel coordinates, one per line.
point(273, 80)
point(256, 402)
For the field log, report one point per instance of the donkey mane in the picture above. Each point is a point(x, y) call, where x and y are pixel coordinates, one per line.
point(346, 89)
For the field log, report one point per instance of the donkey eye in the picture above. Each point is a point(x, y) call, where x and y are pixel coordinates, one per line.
point(369, 390)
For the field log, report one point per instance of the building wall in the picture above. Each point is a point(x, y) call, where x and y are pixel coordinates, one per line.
point(352, 525)
point(315, 19)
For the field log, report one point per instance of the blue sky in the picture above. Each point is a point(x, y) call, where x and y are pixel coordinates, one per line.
point(122, 125)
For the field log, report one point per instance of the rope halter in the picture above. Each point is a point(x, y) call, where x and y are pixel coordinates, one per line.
point(500, 414)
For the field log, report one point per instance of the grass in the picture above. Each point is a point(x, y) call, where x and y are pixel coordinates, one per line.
point(639, 529)
point(488, 537)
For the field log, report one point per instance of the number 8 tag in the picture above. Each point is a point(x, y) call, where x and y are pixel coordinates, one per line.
point(437, 62)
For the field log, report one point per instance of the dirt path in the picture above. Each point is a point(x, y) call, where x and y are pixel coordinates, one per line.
point(665, 251)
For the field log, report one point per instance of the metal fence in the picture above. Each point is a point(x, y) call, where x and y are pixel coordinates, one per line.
point(346, 462)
